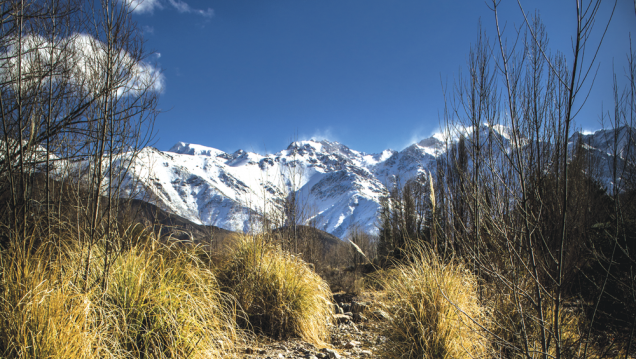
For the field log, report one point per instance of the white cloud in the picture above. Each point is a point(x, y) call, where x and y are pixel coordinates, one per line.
point(442, 134)
point(79, 59)
point(149, 29)
point(148, 6)
point(319, 135)
point(416, 136)
point(144, 6)
point(183, 7)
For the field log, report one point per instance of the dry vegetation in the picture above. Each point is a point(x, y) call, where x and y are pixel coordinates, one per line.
point(156, 301)
point(435, 309)
point(512, 251)
point(280, 294)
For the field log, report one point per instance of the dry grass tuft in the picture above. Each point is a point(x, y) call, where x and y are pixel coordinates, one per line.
point(158, 301)
point(280, 294)
point(42, 316)
point(434, 308)
point(165, 303)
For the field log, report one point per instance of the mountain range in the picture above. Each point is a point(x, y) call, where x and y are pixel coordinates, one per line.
point(333, 185)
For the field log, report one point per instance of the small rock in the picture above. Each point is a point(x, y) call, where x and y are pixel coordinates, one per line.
point(341, 318)
point(332, 354)
point(354, 328)
point(366, 353)
point(262, 351)
point(359, 317)
point(346, 307)
point(359, 307)
point(381, 314)
point(321, 355)
point(352, 344)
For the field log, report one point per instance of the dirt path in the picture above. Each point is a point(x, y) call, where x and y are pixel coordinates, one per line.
point(356, 333)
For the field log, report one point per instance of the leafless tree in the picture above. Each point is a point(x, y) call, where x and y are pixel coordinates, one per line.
point(516, 192)
point(78, 102)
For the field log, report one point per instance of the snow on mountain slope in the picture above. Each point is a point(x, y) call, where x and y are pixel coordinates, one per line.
point(209, 186)
point(603, 145)
point(335, 185)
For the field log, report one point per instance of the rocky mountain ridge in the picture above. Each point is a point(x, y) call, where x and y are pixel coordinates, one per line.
point(334, 186)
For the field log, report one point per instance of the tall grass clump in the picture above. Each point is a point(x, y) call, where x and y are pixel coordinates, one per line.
point(165, 303)
point(279, 293)
point(42, 314)
point(155, 300)
point(435, 309)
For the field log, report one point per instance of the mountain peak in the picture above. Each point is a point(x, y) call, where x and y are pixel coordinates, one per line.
point(344, 186)
point(432, 141)
point(195, 150)
point(323, 146)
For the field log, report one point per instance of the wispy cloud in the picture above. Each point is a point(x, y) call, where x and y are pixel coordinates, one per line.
point(183, 7)
point(148, 29)
point(319, 135)
point(416, 136)
point(144, 6)
point(148, 6)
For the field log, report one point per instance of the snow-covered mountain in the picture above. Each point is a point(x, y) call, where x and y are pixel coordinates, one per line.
point(334, 185)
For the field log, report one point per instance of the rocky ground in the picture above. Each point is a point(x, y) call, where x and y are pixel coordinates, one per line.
point(356, 333)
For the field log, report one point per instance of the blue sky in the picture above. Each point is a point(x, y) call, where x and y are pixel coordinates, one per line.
point(255, 74)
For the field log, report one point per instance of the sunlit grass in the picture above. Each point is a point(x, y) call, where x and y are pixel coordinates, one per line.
point(157, 301)
point(280, 294)
point(434, 310)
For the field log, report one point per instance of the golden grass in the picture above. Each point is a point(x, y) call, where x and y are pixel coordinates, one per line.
point(166, 305)
point(280, 294)
point(41, 317)
point(434, 308)
point(158, 301)
point(517, 327)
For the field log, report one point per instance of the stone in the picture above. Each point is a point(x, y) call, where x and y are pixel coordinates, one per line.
point(341, 318)
point(381, 314)
point(331, 354)
point(359, 317)
point(346, 307)
point(366, 353)
point(359, 307)
point(352, 344)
